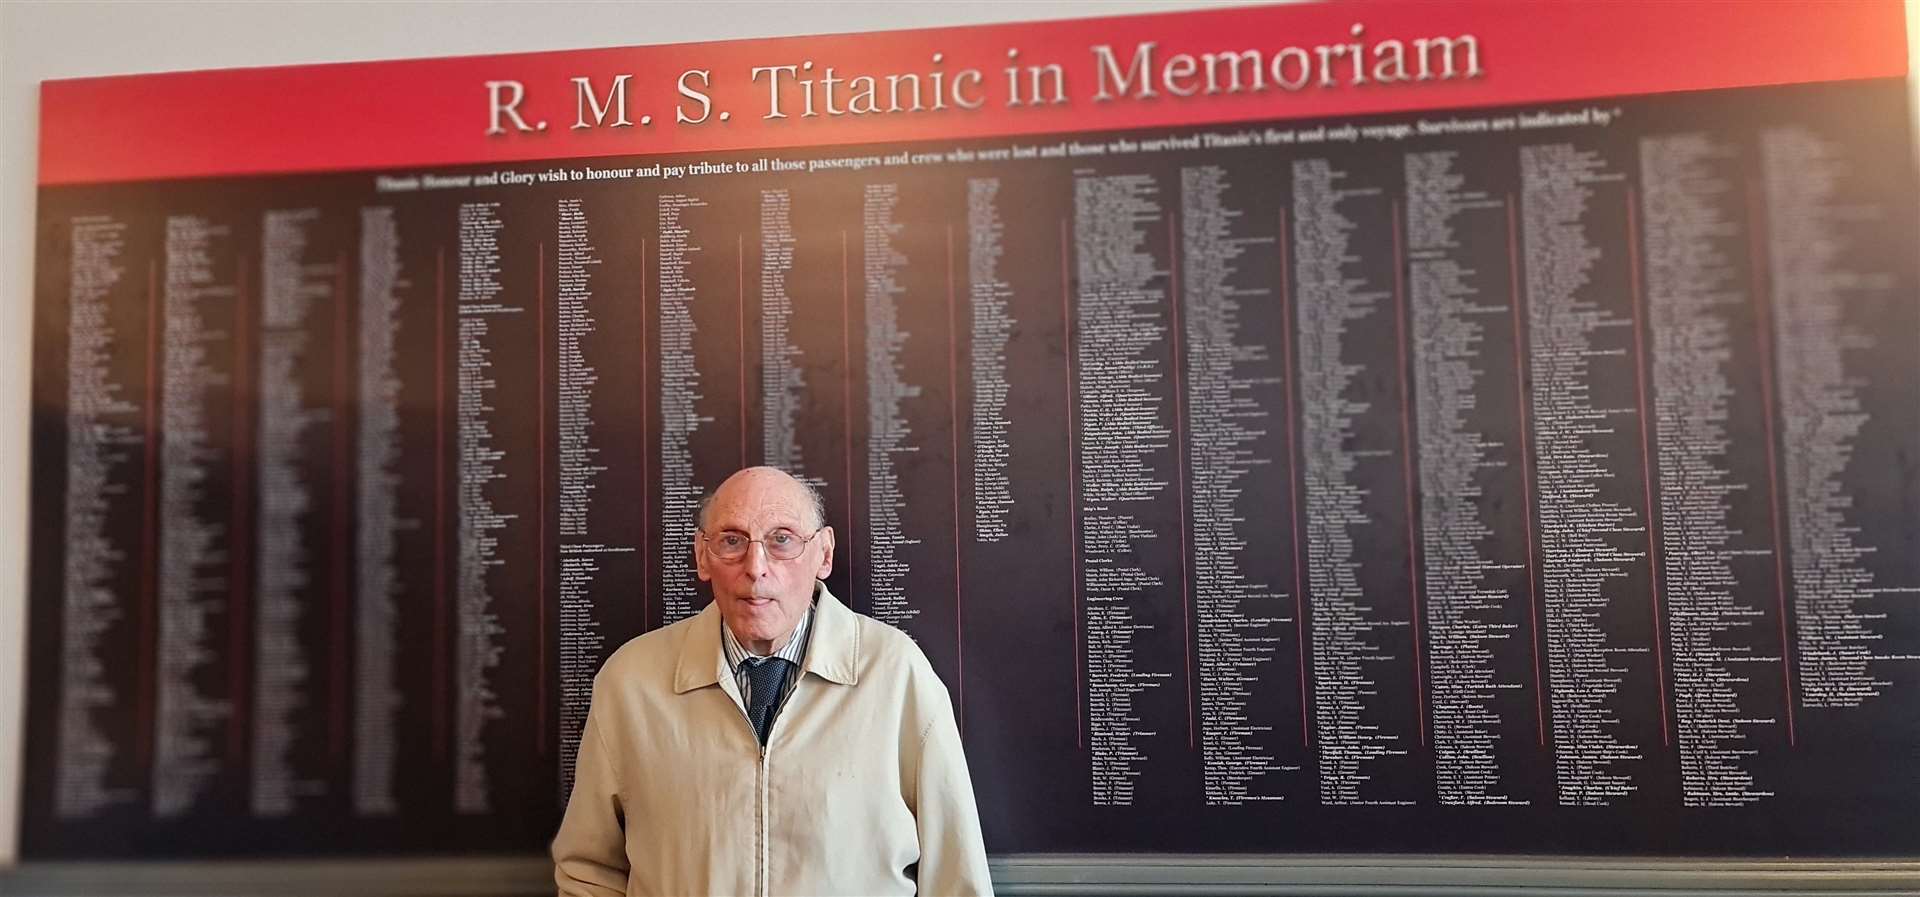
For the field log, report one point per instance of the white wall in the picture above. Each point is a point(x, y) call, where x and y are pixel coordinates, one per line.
point(41, 40)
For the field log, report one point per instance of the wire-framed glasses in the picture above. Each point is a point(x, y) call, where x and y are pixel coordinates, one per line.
point(781, 544)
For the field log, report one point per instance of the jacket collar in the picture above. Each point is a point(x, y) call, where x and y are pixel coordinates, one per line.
point(833, 652)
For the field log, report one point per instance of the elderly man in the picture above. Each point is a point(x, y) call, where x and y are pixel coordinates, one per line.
point(775, 742)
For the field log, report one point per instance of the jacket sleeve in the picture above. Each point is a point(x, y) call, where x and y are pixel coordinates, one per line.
point(953, 856)
point(590, 851)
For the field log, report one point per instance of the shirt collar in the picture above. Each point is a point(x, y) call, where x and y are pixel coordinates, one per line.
point(834, 651)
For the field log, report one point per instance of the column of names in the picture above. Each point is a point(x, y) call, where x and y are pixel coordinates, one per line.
point(1469, 584)
point(1355, 652)
point(1846, 644)
point(581, 464)
point(103, 439)
point(989, 296)
point(478, 635)
point(194, 586)
point(889, 436)
point(1122, 331)
point(1238, 615)
point(680, 397)
point(1589, 543)
point(294, 291)
point(1721, 638)
point(783, 371)
point(385, 285)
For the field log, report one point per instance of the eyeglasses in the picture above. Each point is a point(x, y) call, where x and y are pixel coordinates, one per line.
point(782, 544)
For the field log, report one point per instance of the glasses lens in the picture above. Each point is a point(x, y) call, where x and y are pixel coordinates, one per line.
point(784, 544)
point(730, 546)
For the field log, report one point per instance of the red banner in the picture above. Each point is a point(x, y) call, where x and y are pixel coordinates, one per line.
point(1212, 66)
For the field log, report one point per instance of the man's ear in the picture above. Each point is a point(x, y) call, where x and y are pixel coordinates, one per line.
point(700, 560)
point(825, 538)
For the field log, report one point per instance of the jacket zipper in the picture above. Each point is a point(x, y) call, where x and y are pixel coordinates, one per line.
point(766, 884)
point(762, 876)
point(764, 873)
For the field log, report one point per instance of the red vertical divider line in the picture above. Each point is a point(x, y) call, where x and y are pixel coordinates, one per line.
point(953, 431)
point(238, 623)
point(1762, 290)
point(150, 537)
point(1406, 465)
point(1180, 454)
point(740, 289)
point(342, 530)
point(646, 457)
point(542, 565)
point(1293, 474)
point(1073, 477)
point(1526, 465)
point(440, 620)
point(846, 417)
point(1646, 460)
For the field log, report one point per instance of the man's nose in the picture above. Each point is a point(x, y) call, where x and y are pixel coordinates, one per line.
point(757, 562)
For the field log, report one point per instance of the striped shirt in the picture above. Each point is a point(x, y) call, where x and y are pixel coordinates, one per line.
point(794, 652)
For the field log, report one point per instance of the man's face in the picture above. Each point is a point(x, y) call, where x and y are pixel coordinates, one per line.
point(761, 597)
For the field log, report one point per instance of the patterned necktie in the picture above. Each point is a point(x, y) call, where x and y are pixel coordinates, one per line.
point(766, 678)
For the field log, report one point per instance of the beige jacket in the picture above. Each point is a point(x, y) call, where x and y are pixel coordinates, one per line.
point(862, 788)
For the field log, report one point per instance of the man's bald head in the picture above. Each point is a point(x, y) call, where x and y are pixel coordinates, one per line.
point(762, 479)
